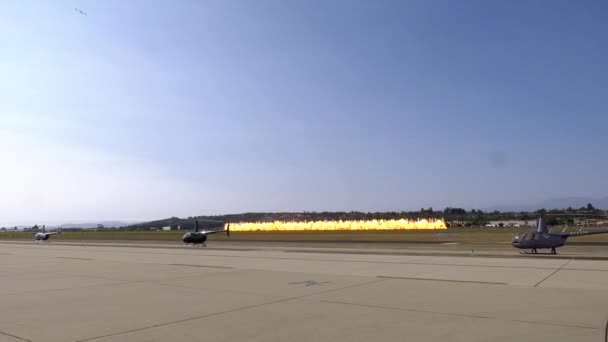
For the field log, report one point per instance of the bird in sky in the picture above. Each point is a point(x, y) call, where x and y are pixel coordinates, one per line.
point(80, 11)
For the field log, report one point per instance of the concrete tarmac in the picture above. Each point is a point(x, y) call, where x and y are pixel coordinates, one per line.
point(276, 292)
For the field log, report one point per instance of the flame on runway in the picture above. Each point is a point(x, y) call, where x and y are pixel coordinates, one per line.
point(402, 224)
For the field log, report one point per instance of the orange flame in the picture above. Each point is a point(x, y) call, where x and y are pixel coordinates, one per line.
point(402, 224)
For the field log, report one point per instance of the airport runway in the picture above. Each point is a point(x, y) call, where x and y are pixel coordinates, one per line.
point(119, 291)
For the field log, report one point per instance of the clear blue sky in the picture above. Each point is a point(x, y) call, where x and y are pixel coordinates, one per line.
point(147, 109)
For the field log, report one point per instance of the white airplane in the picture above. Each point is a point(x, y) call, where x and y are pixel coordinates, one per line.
point(44, 235)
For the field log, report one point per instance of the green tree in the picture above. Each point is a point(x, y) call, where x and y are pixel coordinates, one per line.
point(554, 221)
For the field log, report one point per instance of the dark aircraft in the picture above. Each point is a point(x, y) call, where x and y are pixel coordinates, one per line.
point(542, 238)
point(44, 236)
point(80, 11)
point(199, 238)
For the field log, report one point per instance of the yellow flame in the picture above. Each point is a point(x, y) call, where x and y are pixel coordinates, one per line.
point(402, 224)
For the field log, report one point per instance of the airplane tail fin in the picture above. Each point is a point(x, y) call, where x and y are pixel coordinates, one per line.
point(196, 226)
point(541, 225)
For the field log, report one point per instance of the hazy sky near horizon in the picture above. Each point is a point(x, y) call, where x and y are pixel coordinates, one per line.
point(148, 109)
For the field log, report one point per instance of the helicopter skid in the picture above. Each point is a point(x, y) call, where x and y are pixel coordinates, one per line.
point(537, 253)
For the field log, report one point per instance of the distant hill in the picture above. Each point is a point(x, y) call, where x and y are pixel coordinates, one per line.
point(218, 221)
point(452, 216)
point(89, 225)
point(575, 202)
point(555, 203)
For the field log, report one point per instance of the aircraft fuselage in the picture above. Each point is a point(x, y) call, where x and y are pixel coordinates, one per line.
point(42, 236)
point(538, 240)
point(194, 238)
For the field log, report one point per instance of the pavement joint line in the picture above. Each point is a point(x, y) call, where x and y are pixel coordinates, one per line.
point(339, 289)
point(73, 275)
point(552, 273)
point(219, 289)
point(13, 336)
point(421, 254)
point(224, 312)
point(444, 280)
point(182, 320)
point(64, 289)
point(402, 309)
point(75, 258)
point(203, 266)
point(463, 315)
point(338, 260)
point(76, 275)
point(283, 299)
point(584, 269)
point(98, 277)
point(117, 282)
point(557, 324)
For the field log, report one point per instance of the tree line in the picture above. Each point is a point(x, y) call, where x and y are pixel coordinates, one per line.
point(451, 215)
point(473, 217)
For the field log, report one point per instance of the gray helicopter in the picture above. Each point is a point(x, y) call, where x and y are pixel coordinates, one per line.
point(197, 237)
point(542, 238)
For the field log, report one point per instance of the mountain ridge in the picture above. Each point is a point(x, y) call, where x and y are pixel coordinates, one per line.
point(555, 203)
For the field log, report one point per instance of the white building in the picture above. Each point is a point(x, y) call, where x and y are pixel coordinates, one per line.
point(512, 223)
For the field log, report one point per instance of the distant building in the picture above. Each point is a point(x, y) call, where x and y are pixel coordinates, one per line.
point(591, 222)
point(512, 223)
point(167, 228)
